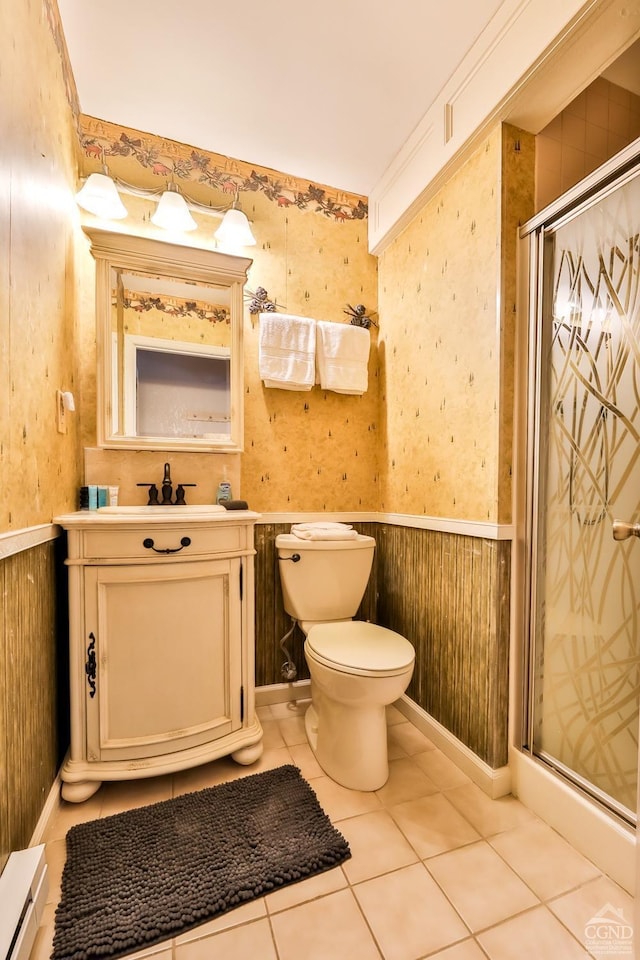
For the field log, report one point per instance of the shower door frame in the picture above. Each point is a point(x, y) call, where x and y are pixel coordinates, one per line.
point(530, 383)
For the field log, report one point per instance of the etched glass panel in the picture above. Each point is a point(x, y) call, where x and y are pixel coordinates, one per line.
point(587, 595)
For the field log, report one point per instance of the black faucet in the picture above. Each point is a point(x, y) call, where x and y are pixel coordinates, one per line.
point(167, 490)
point(167, 487)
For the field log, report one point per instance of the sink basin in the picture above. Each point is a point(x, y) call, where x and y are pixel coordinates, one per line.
point(165, 510)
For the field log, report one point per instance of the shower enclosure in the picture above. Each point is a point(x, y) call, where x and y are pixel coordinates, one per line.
point(582, 585)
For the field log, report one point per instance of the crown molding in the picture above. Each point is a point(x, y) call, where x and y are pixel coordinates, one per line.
point(532, 59)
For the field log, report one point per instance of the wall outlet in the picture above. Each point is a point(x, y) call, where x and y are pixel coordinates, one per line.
point(61, 412)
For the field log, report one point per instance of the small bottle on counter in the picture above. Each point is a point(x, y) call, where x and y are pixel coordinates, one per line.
point(224, 488)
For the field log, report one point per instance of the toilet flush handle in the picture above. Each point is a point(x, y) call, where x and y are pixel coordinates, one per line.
point(294, 557)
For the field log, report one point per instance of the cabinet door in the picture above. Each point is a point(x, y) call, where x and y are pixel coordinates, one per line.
point(168, 656)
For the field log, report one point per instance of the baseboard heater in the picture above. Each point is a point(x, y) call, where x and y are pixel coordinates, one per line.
point(23, 894)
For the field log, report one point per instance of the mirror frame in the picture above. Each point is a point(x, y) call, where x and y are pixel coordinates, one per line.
point(147, 255)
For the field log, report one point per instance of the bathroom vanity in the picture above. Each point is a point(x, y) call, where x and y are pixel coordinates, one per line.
point(161, 606)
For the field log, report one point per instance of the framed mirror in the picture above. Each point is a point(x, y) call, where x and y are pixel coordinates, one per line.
point(169, 344)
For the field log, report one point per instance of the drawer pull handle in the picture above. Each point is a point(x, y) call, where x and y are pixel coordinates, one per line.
point(148, 543)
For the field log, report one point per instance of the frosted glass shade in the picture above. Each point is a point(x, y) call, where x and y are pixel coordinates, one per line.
point(172, 213)
point(234, 231)
point(100, 197)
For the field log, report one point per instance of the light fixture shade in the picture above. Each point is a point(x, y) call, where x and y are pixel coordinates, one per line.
point(100, 197)
point(234, 231)
point(172, 213)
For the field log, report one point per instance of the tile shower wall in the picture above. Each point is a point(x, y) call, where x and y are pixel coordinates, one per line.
point(595, 126)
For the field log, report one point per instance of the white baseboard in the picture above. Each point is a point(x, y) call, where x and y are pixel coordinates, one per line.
point(495, 783)
point(283, 692)
point(51, 805)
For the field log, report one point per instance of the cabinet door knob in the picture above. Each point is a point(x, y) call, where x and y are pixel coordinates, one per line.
point(148, 544)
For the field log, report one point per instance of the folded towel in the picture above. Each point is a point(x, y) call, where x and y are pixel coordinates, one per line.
point(324, 530)
point(342, 356)
point(287, 351)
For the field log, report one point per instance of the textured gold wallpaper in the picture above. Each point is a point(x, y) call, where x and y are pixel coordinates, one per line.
point(444, 382)
point(39, 468)
point(303, 451)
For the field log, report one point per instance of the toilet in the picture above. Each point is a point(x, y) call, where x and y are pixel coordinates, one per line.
point(356, 668)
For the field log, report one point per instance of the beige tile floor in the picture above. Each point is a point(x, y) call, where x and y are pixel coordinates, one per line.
point(438, 870)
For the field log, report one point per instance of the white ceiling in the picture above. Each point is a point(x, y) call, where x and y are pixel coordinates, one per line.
point(326, 91)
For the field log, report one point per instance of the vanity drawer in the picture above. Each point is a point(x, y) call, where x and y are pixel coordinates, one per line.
point(128, 544)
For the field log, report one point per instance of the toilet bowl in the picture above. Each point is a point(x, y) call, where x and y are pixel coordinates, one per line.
point(357, 668)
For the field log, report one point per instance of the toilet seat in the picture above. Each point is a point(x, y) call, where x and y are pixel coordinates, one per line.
point(359, 648)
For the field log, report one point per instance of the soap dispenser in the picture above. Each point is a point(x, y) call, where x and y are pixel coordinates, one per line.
point(224, 488)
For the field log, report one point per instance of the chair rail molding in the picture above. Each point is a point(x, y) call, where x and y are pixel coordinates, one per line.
point(468, 528)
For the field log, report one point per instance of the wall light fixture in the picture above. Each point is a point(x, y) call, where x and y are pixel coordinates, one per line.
point(234, 231)
point(172, 212)
point(100, 196)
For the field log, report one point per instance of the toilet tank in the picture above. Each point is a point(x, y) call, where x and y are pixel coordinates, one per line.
point(330, 578)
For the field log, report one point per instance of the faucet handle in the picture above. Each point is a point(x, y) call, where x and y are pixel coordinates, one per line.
point(153, 493)
point(180, 501)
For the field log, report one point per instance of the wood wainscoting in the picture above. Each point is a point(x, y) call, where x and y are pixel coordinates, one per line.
point(448, 593)
point(33, 682)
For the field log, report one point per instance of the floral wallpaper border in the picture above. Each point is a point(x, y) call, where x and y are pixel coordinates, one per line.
point(170, 159)
point(166, 158)
point(175, 307)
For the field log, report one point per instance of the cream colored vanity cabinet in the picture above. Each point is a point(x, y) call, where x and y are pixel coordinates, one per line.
point(161, 644)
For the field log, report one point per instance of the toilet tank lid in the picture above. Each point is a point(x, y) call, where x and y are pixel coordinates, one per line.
point(361, 646)
point(287, 541)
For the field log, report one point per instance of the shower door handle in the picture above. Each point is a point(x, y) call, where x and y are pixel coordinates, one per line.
point(623, 530)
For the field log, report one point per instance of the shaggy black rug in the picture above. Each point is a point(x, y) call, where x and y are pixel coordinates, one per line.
point(144, 876)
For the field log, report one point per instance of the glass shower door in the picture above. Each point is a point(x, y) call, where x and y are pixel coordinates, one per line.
point(585, 608)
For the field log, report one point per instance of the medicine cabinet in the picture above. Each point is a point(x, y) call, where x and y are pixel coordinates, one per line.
point(169, 344)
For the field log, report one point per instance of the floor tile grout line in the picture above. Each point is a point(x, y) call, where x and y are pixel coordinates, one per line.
point(439, 791)
point(368, 925)
point(485, 839)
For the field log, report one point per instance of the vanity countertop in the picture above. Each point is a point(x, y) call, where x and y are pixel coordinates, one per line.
point(143, 515)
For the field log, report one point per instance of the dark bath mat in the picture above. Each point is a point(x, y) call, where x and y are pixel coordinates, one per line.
point(146, 875)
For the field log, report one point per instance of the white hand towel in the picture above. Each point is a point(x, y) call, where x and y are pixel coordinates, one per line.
point(287, 351)
point(324, 530)
point(342, 356)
